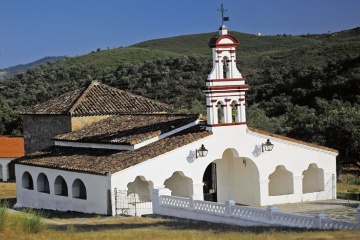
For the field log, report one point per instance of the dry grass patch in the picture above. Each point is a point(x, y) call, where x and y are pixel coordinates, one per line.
point(7, 190)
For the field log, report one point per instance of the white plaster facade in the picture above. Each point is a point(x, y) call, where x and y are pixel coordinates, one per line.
point(96, 199)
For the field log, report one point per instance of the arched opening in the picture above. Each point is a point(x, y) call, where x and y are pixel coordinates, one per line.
point(237, 179)
point(78, 189)
point(281, 182)
point(1, 172)
point(60, 186)
point(139, 187)
point(43, 183)
point(226, 70)
point(27, 181)
point(210, 185)
point(220, 112)
point(313, 179)
point(179, 184)
point(234, 111)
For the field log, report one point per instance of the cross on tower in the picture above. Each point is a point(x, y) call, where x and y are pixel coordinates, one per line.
point(222, 10)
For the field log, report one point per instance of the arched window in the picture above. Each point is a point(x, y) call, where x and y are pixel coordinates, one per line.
point(60, 186)
point(78, 189)
point(179, 184)
point(313, 180)
point(27, 181)
point(281, 182)
point(226, 70)
point(43, 183)
point(220, 112)
point(139, 187)
point(234, 111)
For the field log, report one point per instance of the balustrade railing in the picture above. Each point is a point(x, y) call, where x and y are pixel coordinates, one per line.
point(270, 216)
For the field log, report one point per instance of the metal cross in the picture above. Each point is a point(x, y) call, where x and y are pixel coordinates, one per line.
point(222, 10)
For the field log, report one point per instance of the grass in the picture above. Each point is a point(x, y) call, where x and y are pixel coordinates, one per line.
point(32, 221)
point(57, 225)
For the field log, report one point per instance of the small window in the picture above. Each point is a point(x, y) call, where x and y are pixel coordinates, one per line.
point(60, 186)
point(226, 70)
point(43, 183)
point(220, 112)
point(78, 189)
point(27, 181)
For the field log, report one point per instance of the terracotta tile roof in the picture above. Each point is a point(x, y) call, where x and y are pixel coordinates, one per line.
point(97, 99)
point(97, 161)
point(11, 147)
point(292, 140)
point(128, 129)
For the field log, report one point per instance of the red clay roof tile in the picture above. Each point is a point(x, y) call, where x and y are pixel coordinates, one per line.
point(101, 161)
point(97, 99)
point(11, 147)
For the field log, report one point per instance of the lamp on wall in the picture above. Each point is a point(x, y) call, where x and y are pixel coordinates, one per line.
point(201, 152)
point(268, 146)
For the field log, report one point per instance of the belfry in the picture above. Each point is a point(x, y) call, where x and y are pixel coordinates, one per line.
point(225, 86)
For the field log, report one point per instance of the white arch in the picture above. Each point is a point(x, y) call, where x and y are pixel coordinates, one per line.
point(313, 180)
point(281, 182)
point(60, 186)
point(79, 189)
point(42, 183)
point(179, 184)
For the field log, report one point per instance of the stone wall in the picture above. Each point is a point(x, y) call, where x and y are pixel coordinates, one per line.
point(39, 129)
point(81, 122)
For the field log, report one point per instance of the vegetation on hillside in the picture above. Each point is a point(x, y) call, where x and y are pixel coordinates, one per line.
point(8, 72)
point(305, 87)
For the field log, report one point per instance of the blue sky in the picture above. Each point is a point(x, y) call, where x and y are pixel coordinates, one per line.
point(33, 29)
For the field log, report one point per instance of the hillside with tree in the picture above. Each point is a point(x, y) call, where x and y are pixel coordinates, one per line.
point(306, 87)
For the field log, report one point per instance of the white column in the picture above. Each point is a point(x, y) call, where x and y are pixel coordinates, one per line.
point(228, 112)
point(5, 173)
point(238, 113)
point(242, 111)
point(264, 192)
point(198, 191)
point(298, 187)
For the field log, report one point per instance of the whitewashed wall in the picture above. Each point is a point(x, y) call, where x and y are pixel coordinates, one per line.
point(97, 187)
point(239, 145)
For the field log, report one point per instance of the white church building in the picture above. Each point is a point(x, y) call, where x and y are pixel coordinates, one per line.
point(137, 146)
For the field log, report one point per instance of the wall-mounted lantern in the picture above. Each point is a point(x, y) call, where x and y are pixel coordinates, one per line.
point(201, 152)
point(268, 146)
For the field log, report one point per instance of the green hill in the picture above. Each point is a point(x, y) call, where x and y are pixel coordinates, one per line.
point(306, 87)
point(8, 72)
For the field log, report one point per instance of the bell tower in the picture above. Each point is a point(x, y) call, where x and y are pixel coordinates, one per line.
point(225, 87)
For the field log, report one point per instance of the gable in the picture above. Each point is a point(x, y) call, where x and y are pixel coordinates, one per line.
point(97, 99)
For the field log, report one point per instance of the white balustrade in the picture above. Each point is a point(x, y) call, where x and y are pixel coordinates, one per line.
point(210, 207)
point(174, 201)
point(244, 216)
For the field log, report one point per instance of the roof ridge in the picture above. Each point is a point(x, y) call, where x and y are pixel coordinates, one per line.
point(82, 96)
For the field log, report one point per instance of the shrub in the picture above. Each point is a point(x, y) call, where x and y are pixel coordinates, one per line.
point(32, 222)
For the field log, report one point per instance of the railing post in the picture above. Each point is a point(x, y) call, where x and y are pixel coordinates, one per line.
point(318, 218)
point(155, 197)
point(228, 207)
point(191, 203)
point(116, 202)
point(358, 209)
point(270, 211)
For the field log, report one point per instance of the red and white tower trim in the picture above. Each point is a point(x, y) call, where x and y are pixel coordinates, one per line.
point(225, 87)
